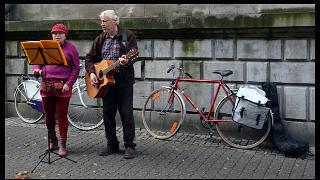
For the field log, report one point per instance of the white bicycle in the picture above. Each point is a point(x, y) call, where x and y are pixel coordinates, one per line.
point(84, 113)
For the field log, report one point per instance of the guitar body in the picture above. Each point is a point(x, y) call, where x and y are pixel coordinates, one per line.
point(104, 81)
point(104, 72)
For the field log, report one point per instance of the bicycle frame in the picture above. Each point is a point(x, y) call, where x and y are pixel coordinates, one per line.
point(30, 98)
point(175, 85)
point(77, 86)
point(163, 125)
point(26, 97)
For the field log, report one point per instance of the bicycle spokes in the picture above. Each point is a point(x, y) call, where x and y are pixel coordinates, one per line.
point(84, 112)
point(27, 101)
point(36, 104)
point(22, 92)
point(162, 113)
point(235, 134)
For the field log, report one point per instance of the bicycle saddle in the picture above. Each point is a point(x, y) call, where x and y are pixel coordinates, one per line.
point(223, 72)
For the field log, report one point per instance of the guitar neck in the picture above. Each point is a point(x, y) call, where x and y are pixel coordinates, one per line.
point(111, 67)
point(131, 55)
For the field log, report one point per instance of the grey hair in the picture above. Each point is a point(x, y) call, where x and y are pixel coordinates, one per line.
point(110, 14)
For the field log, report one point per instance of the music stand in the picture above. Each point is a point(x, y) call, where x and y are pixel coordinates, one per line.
point(50, 54)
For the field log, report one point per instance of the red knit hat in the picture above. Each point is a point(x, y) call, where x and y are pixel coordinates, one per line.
point(59, 28)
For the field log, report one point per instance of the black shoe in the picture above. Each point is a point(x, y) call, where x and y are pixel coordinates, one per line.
point(129, 153)
point(109, 150)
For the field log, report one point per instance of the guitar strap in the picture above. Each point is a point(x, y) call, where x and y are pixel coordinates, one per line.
point(124, 40)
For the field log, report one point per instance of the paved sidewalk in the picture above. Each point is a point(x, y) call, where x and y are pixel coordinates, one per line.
point(185, 156)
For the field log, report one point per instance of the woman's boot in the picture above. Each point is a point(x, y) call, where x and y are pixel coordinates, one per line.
point(53, 140)
point(63, 148)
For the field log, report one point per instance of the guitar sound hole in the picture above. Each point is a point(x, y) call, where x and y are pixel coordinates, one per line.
point(100, 74)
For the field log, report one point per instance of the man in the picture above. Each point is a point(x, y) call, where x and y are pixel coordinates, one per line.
point(109, 45)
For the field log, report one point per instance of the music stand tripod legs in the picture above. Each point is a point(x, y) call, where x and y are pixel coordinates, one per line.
point(47, 152)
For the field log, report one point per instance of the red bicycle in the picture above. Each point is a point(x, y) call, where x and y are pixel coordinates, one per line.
point(164, 111)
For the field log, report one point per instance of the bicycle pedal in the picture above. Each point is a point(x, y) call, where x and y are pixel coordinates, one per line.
point(211, 132)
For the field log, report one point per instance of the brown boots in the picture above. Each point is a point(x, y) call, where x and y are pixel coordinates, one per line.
point(53, 141)
point(63, 148)
point(53, 144)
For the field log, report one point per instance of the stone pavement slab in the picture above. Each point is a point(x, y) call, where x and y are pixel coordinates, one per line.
point(184, 156)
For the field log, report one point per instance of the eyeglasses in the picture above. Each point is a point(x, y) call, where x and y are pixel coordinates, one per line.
point(104, 21)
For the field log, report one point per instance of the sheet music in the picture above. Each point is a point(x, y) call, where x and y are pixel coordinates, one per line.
point(44, 52)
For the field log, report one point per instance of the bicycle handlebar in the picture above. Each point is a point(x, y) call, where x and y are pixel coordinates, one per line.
point(188, 75)
point(171, 67)
point(180, 69)
point(28, 77)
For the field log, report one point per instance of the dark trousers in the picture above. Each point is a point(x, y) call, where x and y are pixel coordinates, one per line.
point(119, 98)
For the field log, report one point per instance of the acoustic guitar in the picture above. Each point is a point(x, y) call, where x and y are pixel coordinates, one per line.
point(104, 72)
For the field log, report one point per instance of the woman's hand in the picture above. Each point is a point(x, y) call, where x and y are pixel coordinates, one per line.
point(65, 88)
point(37, 73)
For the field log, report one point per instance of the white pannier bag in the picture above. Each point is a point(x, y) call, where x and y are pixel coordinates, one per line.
point(250, 109)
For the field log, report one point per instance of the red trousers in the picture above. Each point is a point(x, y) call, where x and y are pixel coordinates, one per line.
point(54, 105)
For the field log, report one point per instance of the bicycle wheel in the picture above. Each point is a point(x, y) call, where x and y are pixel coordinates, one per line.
point(27, 101)
point(84, 113)
point(235, 134)
point(163, 113)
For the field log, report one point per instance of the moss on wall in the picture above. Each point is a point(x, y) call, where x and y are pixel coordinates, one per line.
point(189, 46)
point(192, 22)
point(46, 25)
point(264, 20)
point(145, 23)
point(283, 10)
point(294, 19)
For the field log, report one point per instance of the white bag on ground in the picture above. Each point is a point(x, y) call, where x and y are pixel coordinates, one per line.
point(250, 109)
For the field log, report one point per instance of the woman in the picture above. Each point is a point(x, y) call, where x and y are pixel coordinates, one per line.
point(56, 88)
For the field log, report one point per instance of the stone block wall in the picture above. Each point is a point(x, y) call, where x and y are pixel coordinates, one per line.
point(296, 79)
point(282, 52)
